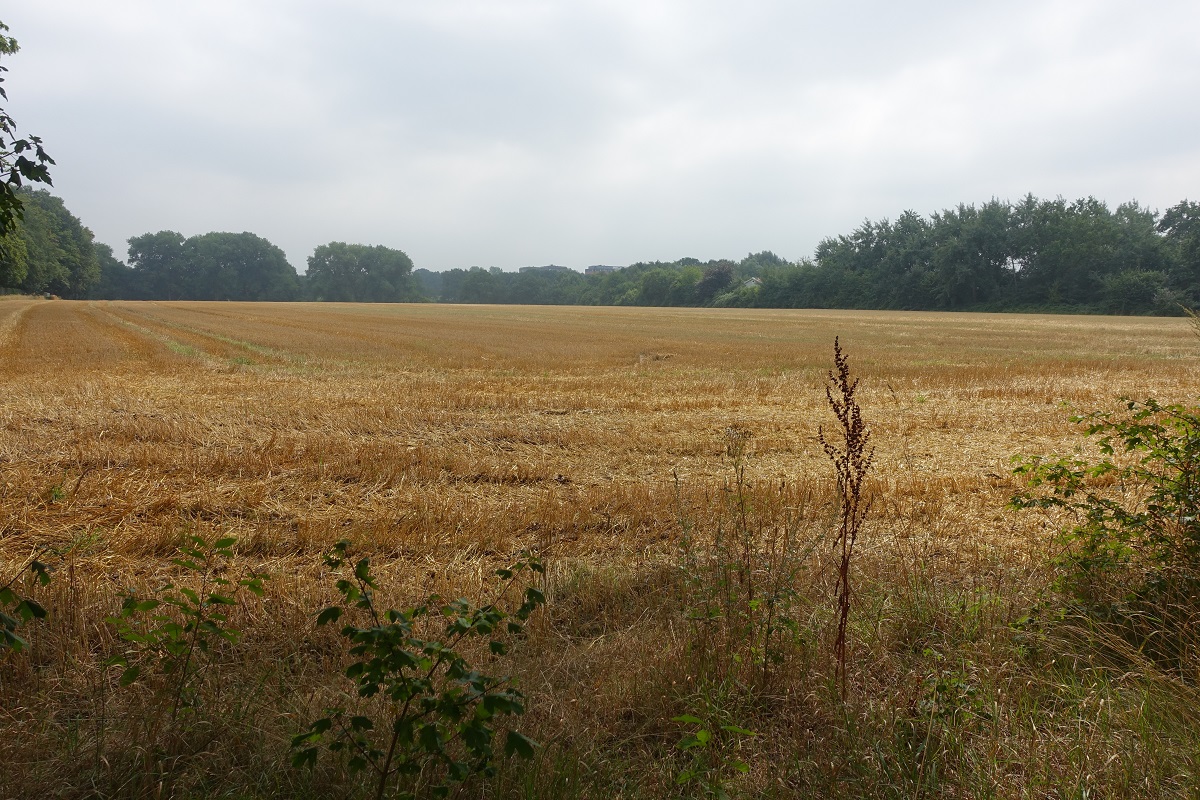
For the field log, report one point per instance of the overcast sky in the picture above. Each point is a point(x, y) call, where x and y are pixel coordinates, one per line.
point(576, 132)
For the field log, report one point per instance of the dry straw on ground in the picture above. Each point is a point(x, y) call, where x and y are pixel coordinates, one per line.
point(442, 440)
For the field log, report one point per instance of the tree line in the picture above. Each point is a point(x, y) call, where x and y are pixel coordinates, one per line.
point(1032, 255)
point(50, 251)
point(243, 266)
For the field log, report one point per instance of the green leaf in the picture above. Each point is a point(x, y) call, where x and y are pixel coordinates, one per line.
point(42, 572)
point(10, 640)
point(687, 719)
point(253, 585)
point(228, 541)
point(31, 609)
point(519, 744)
point(331, 614)
point(130, 675)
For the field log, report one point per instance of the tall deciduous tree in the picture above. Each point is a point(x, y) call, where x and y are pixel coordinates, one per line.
point(14, 260)
point(716, 279)
point(358, 273)
point(161, 271)
point(240, 266)
point(60, 252)
point(211, 266)
point(1181, 226)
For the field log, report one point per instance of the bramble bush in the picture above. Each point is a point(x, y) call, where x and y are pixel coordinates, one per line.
point(1132, 555)
point(438, 717)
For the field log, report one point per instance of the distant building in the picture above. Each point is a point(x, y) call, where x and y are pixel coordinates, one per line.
point(547, 268)
point(599, 269)
point(750, 283)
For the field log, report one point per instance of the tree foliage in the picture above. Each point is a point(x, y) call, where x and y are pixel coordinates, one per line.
point(1031, 255)
point(1045, 255)
point(1180, 226)
point(60, 253)
point(22, 158)
point(116, 280)
point(357, 273)
point(211, 266)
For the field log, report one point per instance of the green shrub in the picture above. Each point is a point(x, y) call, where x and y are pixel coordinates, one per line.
point(1138, 506)
point(710, 751)
point(1132, 555)
point(17, 609)
point(176, 629)
point(437, 725)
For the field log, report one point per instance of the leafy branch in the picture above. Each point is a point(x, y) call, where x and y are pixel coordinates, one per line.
point(16, 609)
point(22, 159)
point(189, 622)
point(437, 730)
point(1137, 508)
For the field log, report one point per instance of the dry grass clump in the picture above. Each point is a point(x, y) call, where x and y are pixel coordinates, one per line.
point(683, 578)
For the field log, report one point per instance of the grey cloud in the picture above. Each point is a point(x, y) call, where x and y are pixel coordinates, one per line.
point(511, 133)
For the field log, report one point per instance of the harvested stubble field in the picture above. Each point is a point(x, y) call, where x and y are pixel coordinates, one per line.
point(443, 440)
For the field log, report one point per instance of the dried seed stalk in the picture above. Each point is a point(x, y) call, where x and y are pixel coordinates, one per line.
point(852, 458)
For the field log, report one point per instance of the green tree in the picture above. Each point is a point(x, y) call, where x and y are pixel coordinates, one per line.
point(1132, 290)
point(359, 273)
point(14, 260)
point(160, 267)
point(211, 266)
point(1180, 226)
point(117, 281)
point(478, 286)
point(430, 283)
point(22, 158)
point(1070, 247)
point(60, 252)
point(716, 279)
point(970, 251)
point(451, 285)
point(906, 270)
point(239, 266)
point(654, 289)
